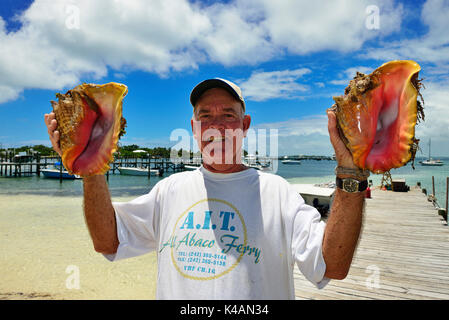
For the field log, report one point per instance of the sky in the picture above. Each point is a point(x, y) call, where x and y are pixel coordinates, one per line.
point(289, 57)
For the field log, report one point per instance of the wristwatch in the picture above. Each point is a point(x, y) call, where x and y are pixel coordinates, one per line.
point(351, 185)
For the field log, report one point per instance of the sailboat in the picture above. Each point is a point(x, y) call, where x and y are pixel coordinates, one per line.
point(430, 161)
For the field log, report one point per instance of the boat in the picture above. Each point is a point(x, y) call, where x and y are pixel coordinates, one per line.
point(319, 196)
point(290, 161)
point(190, 167)
point(252, 162)
point(259, 166)
point(23, 157)
point(431, 162)
point(138, 171)
point(57, 173)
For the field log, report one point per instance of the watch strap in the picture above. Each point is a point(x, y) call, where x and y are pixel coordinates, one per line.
point(363, 185)
point(357, 172)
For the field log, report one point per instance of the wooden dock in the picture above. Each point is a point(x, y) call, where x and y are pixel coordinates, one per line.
point(403, 253)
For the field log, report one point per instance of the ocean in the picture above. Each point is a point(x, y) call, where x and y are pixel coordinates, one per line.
point(309, 171)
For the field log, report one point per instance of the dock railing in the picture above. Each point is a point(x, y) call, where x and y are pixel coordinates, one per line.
point(432, 198)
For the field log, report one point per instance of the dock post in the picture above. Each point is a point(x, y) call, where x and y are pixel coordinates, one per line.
point(447, 185)
point(433, 186)
point(60, 171)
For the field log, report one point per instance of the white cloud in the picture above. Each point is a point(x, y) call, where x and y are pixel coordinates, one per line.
point(343, 82)
point(49, 52)
point(307, 135)
point(311, 26)
point(436, 124)
point(349, 74)
point(8, 93)
point(315, 124)
point(274, 84)
point(432, 47)
point(64, 42)
point(234, 38)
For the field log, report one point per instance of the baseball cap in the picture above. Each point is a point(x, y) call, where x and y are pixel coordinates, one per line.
point(205, 85)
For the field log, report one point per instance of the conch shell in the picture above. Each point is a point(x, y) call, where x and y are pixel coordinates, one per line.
point(90, 124)
point(378, 113)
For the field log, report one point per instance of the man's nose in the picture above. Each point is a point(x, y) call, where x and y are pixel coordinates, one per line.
point(216, 123)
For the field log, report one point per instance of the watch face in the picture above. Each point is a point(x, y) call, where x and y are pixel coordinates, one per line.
point(350, 185)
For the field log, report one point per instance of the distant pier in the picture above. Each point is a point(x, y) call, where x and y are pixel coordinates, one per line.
point(305, 157)
point(34, 166)
point(403, 253)
point(29, 165)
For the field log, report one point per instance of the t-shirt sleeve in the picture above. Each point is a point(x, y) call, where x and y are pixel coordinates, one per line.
point(136, 225)
point(307, 239)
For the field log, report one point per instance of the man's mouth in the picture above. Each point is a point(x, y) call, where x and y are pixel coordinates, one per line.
point(215, 139)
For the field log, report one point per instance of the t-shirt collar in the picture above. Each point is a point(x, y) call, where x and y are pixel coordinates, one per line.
point(225, 176)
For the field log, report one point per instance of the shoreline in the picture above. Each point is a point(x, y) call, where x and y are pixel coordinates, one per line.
point(46, 253)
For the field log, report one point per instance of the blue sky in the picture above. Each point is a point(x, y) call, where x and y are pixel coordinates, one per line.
point(289, 57)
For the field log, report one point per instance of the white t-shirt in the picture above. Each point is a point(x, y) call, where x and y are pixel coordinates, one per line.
point(224, 236)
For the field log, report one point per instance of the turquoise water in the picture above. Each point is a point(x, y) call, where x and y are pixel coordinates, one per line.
point(309, 171)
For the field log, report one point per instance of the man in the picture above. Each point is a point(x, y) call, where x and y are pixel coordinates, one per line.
point(226, 231)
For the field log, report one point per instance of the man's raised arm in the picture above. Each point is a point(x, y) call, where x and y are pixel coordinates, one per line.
point(100, 215)
point(345, 220)
point(98, 210)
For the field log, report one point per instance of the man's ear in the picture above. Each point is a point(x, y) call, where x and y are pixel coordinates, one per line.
point(196, 127)
point(246, 124)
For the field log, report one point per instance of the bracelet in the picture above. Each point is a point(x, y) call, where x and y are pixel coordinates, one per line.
point(354, 172)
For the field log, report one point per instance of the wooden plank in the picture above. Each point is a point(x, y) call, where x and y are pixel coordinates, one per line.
point(403, 245)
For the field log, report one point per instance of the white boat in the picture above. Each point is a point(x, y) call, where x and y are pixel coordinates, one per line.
point(258, 166)
point(137, 171)
point(191, 167)
point(289, 161)
point(316, 195)
point(251, 161)
point(431, 162)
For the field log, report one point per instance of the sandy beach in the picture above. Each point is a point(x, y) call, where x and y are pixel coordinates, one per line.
point(46, 253)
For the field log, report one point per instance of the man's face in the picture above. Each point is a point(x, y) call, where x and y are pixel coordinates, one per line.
point(219, 127)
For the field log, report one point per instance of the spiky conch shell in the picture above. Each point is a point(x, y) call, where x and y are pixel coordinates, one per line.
point(77, 109)
point(355, 115)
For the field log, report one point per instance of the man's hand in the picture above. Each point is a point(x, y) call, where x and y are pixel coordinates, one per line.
point(342, 154)
point(51, 123)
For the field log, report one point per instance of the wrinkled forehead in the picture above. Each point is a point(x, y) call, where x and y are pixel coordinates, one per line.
point(217, 98)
